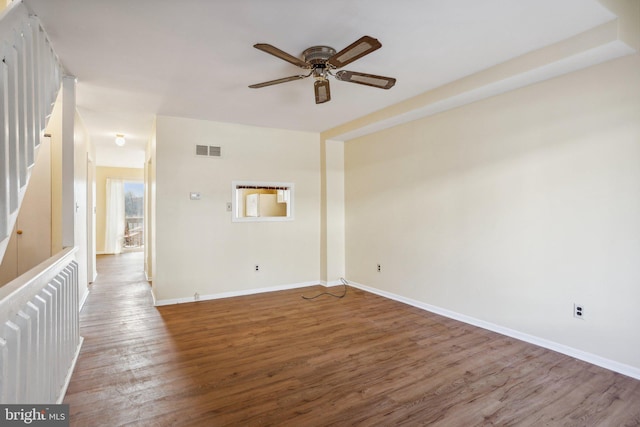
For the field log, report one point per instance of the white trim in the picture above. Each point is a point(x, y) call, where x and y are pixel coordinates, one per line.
point(612, 365)
point(231, 294)
point(83, 300)
point(67, 380)
point(331, 283)
point(153, 296)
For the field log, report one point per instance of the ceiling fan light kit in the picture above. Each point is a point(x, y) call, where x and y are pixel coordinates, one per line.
point(322, 90)
point(323, 60)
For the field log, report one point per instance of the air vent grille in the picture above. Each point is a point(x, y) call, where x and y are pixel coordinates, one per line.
point(208, 151)
point(214, 151)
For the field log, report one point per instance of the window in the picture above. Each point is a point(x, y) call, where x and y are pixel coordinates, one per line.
point(262, 201)
point(133, 214)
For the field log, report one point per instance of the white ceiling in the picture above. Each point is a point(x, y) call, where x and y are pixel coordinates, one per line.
point(135, 59)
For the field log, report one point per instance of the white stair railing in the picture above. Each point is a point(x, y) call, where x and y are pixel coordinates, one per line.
point(40, 332)
point(30, 77)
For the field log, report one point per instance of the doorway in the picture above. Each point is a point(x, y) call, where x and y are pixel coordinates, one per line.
point(133, 216)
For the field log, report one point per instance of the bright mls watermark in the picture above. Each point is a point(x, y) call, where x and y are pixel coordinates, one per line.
point(34, 415)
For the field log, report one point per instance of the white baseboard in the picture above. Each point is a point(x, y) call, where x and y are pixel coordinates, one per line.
point(83, 300)
point(594, 359)
point(153, 295)
point(230, 294)
point(331, 283)
point(67, 380)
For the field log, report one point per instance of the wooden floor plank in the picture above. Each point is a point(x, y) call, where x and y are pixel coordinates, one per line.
point(276, 359)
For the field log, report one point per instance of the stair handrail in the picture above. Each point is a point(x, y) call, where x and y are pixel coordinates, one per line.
point(15, 294)
point(30, 78)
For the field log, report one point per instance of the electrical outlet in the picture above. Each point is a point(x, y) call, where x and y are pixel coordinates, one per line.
point(196, 296)
point(257, 267)
point(379, 268)
point(578, 311)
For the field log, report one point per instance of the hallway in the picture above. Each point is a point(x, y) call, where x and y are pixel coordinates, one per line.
point(276, 359)
point(115, 325)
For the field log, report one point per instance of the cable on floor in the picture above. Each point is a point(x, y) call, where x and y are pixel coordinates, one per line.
point(344, 283)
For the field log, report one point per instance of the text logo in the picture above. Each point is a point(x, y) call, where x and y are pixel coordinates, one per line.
point(34, 415)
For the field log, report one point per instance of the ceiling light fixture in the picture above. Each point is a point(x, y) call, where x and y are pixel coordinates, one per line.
point(120, 140)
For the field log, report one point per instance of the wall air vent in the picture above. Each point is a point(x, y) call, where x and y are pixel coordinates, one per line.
point(202, 150)
point(208, 151)
point(214, 151)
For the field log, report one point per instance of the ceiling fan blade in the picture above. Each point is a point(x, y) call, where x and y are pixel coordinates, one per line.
point(322, 91)
point(281, 54)
point(366, 79)
point(356, 50)
point(278, 81)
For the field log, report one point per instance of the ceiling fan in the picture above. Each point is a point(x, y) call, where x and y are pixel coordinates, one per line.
point(321, 61)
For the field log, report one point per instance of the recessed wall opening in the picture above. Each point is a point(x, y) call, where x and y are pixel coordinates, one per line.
point(262, 201)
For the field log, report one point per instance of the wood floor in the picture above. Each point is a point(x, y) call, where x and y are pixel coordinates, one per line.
point(276, 359)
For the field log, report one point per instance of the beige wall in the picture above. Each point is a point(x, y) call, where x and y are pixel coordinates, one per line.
point(150, 206)
point(333, 244)
point(83, 235)
point(511, 209)
point(4, 4)
point(33, 245)
point(102, 173)
point(198, 247)
point(66, 128)
point(54, 128)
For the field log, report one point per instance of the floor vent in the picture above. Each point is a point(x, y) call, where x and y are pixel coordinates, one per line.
point(208, 151)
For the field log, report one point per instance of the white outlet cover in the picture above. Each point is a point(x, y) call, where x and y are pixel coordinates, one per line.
point(194, 196)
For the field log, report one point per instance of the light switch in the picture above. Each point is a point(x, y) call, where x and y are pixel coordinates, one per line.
point(194, 196)
point(229, 207)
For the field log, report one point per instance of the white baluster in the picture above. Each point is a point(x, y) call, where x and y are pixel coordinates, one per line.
point(22, 109)
point(35, 386)
point(64, 278)
point(23, 321)
point(11, 334)
point(42, 81)
point(38, 124)
point(55, 335)
point(4, 152)
point(11, 59)
point(76, 306)
point(36, 309)
point(29, 116)
point(47, 297)
point(5, 389)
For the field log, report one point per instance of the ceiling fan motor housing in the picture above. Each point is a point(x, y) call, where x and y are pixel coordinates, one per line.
point(317, 56)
